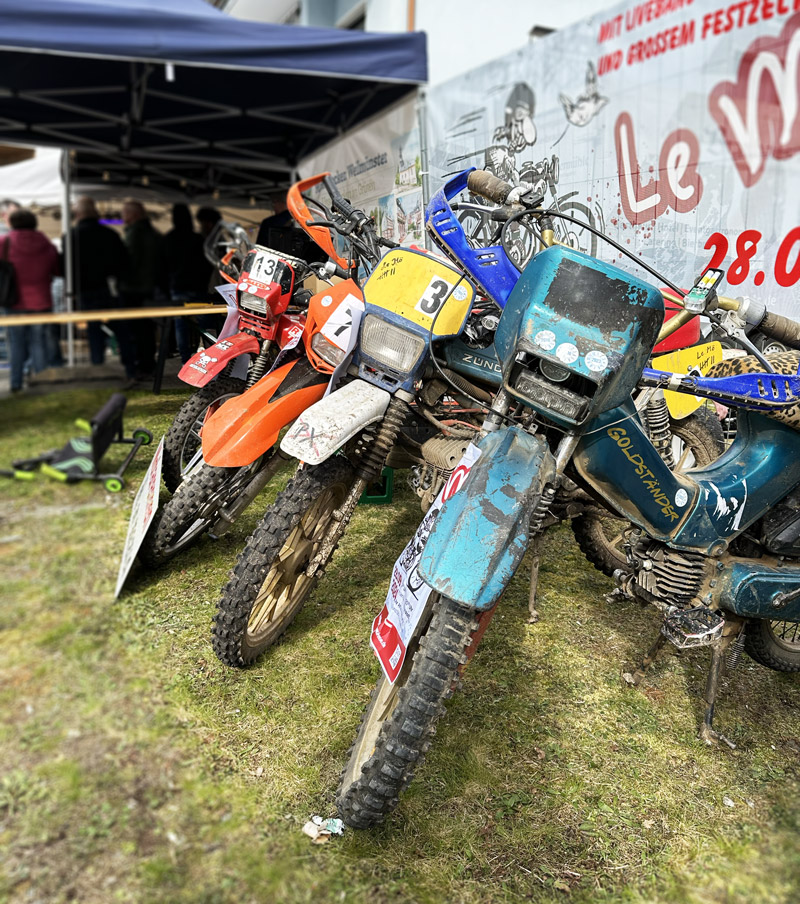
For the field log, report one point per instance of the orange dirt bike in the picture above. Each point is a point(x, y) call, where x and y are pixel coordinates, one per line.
point(239, 450)
point(258, 325)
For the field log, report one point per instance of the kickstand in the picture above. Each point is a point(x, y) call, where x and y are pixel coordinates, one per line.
point(650, 657)
point(707, 733)
point(534, 550)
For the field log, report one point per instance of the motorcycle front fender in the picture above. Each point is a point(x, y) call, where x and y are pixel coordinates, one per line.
point(481, 533)
point(330, 423)
point(246, 426)
point(206, 364)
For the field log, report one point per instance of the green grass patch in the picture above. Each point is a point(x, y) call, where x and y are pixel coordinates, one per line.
point(135, 767)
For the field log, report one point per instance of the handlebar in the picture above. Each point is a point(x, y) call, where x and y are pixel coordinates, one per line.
point(488, 186)
point(781, 328)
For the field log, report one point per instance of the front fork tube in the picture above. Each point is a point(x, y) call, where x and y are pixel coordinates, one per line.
point(563, 454)
point(371, 466)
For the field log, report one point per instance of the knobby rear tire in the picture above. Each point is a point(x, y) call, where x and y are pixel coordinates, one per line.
point(399, 722)
point(268, 587)
point(179, 442)
point(774, 644)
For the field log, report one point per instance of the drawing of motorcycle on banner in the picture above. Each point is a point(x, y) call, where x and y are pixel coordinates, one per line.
point(258, 324)
point(716, 549)
point(238, 440)
point(542, 179)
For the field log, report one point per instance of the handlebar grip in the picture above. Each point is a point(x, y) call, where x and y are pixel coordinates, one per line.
point(479, 182)
point(337, 201)
point(781, 328)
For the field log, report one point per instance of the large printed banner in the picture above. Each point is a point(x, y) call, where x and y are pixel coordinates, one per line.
point(673, 125)
point(377, 167)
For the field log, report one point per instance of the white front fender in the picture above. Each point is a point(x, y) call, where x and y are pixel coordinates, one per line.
point(326, 425)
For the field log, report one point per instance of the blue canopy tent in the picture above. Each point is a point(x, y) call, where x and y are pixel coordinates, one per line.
point(175, 93)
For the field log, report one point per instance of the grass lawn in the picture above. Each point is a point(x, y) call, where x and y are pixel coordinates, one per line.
point(135, 767)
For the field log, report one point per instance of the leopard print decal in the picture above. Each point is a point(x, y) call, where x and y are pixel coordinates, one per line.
point(783, 362)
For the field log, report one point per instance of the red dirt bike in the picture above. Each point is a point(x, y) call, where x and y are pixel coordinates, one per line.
point(265, 312)
point(239, 450)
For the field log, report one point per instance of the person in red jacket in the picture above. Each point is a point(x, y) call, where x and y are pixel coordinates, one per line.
point(35, 260)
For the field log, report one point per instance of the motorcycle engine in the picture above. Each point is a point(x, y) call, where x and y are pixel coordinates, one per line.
point(441, 455)
point(663, 576)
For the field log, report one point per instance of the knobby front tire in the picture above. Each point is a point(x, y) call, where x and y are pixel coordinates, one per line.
point(269, 585)
point(188, 514)
point(182, 439)
point(400, 720)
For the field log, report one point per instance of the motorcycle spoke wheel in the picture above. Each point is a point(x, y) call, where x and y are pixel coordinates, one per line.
point(182, 440)
point(400, 720)
point(270, 583)
point(774, 644)
point(287, 583)
point(193, 510)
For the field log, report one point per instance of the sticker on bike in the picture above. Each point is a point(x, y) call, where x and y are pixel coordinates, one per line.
point(395, 624)
point(340, 325)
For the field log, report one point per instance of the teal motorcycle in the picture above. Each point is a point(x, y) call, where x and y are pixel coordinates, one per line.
point(716, 549)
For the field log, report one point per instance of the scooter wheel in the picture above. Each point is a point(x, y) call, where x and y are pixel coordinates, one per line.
point(144, 435)
point(114, 484)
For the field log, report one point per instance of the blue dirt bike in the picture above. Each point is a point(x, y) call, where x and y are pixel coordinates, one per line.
point(717, 548)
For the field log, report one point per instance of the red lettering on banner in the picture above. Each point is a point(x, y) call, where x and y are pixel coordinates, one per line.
point(678, 184)
point(758, 113)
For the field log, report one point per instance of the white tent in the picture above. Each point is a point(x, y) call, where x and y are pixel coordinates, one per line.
point(35, 181)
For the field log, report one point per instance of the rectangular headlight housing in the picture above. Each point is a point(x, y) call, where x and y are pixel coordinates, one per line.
point(252, 303)
point(390, 345)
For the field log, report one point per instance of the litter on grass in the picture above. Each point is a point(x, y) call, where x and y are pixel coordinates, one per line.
point(319, 829)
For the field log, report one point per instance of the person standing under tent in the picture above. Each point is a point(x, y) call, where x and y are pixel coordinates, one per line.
point(189, 273)
point(35, 261)
point(98, 256)
point(146, 278)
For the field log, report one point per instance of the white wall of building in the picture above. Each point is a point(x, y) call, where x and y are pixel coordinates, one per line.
point(462, 34)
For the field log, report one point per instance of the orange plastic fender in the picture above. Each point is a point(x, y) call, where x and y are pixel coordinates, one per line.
point(246, 426)
point(204, 365)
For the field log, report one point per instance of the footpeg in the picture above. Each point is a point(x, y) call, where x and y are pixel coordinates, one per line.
point(688, 628)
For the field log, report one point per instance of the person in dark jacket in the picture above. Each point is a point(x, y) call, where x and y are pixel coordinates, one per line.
point(99, 256)
point(146, 278)
point(35, 261)
point(189, 273)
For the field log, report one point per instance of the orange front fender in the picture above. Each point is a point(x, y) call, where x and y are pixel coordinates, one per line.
point(246, 426)
point(203, 366)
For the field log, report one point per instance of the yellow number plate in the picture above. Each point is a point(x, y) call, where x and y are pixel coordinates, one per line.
point(417, 287)
point(702, 357)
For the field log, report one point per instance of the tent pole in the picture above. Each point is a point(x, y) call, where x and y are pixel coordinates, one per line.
point(69, 276)
point(422, 122)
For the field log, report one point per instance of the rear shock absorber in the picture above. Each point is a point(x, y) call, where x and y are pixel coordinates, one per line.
point(658, 427)
point(259, 367)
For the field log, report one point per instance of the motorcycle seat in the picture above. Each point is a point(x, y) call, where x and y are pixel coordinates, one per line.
point(783, 362)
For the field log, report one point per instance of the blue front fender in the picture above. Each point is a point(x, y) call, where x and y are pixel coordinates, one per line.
point(481, 534)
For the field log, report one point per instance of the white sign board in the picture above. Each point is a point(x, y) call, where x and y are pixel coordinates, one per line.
point(142, 513)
